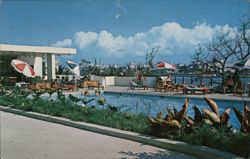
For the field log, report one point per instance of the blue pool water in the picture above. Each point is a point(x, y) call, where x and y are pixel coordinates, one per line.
point(151, 105)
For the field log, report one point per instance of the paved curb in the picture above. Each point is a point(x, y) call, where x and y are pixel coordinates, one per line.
point(181, 147)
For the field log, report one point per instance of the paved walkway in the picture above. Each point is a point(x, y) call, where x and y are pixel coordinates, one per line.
point(150, 91)
point(27, 138)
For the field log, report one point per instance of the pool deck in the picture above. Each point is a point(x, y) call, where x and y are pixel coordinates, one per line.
point(151, 91)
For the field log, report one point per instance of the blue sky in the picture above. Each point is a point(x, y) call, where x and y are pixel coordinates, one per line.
point(119, 31)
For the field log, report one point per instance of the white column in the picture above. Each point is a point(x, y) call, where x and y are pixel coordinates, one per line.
point(51, 69)
point(38, 66)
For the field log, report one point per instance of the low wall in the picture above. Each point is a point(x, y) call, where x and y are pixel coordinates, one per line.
point(99, 78)
point(125, 81)
point(150, 81)
point(104, 80)
point(116, 81)
point(121, 81)
point(109, 80)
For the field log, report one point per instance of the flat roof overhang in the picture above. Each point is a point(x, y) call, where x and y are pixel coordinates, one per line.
point(36, 49)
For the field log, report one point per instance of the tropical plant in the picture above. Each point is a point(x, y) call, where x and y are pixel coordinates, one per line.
point(74, 99)
point(102, 101)
point(207, 128)
point(112, 108)
point(174, 120)
point(209, 117)
point(150, 55)
point(60, 70)
point(36, 80)
point(244, 118)
point(170, 124)
point(86, 101)
point(50, 92)
point(37, 94)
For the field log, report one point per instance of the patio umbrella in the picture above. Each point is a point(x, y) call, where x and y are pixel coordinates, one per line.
point(164, 65)
point(73, 67)
point(23, 67)
point(244, 64)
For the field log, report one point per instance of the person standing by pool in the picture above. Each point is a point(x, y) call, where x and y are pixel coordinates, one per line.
point(97, 93)
point(85, 93)
point(62, 82)
point(73, 80)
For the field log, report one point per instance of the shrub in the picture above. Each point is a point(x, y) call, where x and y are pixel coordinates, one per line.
point(222, 139)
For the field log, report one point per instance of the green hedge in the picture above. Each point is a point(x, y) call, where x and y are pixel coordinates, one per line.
point(121, 120)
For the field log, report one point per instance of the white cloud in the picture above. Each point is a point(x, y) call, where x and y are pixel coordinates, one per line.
point(111, 45)
point(83, 39)
point(64, 43)
point(171, 37)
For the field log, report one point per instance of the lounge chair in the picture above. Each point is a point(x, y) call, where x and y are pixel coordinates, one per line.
point(92, 84)
point(70, 87)
point(137, 84)
point(194, 89)
point(10, 81)
point(169, 86)
point(160, 85)
point(133, 85)
point(174, 87)
point(39, 86)
point(56, 86)
point(178, 87)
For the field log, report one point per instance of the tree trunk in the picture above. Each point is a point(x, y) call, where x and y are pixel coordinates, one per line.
point(223, 80)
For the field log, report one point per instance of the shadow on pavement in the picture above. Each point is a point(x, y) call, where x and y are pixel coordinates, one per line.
point(156, 155)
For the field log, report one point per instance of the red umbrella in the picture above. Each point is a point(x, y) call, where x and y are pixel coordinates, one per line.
point(23, 67)
point(164, 65)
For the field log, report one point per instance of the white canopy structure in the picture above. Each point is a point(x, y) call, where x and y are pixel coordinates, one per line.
point(40, 58)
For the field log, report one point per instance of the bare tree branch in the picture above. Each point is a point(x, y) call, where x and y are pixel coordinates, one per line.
point(224, 49)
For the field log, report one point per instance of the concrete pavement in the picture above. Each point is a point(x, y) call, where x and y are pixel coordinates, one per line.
point(26, 138)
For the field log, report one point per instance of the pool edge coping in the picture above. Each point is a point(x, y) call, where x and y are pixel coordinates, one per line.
point(176, 96)
point(172, 145)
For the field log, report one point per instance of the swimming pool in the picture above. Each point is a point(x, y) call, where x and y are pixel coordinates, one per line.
point(151, 105)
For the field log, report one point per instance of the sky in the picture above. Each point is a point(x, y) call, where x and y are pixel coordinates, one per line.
point(120, 31)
